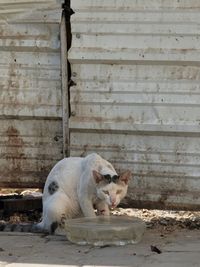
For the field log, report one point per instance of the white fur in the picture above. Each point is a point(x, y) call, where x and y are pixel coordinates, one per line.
point(78, 192)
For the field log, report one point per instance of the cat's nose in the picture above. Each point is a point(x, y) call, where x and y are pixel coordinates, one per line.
point(113, 203)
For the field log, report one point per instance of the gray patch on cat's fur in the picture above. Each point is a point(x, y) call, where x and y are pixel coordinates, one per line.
point(53, 187)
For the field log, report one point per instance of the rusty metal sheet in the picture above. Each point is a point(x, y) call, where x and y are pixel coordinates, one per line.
point(30, 91)
point(135, 66)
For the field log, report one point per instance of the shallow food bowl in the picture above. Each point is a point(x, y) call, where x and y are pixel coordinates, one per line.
point(105, 230)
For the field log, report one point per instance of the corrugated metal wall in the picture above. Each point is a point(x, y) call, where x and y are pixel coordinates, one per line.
point(30, 91)
point(136, 65)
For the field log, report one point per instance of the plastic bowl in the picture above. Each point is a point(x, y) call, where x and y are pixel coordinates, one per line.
point(105, 230)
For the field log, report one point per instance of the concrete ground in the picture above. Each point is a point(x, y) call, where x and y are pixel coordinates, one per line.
point(179, 248)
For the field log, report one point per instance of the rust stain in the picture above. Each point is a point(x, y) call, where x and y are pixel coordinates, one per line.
point(17, 143)
point(17, 173)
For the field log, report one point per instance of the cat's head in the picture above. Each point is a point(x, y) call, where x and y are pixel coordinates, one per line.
point(111, 187)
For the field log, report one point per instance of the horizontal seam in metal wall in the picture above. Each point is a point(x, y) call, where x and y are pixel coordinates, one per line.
point(162, 104)
point(17, 117)
point(137, 132)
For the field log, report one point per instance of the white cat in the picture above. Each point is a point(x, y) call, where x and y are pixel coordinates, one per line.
point(76, 185)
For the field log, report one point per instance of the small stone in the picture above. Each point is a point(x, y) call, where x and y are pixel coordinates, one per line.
point(149, 224)
point(163, 222)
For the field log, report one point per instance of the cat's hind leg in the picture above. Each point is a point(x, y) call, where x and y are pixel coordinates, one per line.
point(55, 208)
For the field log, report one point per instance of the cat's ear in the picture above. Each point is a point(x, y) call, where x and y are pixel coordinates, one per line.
point(97, 176)
point(125, 177)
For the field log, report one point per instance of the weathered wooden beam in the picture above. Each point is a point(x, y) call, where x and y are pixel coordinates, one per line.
point(21, 204)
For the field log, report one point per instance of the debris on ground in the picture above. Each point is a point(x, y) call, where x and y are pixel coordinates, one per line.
point(6, 192)
point(167, 220)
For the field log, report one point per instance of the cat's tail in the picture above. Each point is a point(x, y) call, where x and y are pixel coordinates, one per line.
point(22, 227)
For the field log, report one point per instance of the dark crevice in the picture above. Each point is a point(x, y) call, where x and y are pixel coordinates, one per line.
point(68, 12)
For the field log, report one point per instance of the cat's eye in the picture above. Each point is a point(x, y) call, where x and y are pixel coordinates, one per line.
point(106, 192)
point(119, 192)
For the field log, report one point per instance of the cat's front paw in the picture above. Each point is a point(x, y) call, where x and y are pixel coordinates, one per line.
point(103, 212)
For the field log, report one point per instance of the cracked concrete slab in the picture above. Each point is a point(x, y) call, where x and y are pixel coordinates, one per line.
point(179, 248)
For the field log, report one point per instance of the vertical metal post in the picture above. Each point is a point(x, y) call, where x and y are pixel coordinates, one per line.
point(64, 77)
